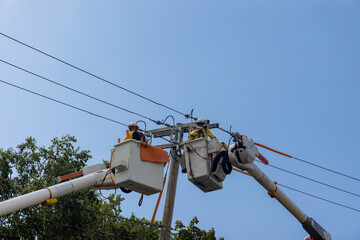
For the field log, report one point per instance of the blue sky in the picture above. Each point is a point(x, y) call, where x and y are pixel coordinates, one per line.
point(285, 73)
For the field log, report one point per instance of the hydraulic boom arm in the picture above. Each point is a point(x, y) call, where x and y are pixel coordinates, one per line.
point(58, 190)
point(242, 155)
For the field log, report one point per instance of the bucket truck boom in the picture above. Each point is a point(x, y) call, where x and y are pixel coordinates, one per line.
point(134, 165)
point(242, 155)
point(58, 190)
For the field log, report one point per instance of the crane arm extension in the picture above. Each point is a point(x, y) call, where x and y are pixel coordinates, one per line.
point(276, 192)
point(242, 155)
point(310, 225)
point(55, 191)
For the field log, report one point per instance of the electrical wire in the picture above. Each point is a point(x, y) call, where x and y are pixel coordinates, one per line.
point(100, 78)
point(160, 195)
point(172, 119)
point(173, 157)
point(166, 139)
point(327, 169)
point(82, 93)
point(311, 195)
point(298, 159)
point(111, 177)
point(230, 140)
point(167, 168)
point(142, 122)
point(314, 196)
point(307, 162)
point(66, 104)
point(313, 180)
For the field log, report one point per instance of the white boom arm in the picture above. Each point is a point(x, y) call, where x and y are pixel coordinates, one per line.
point(270, 186)
point(241, 155)
point(58, 190)
point(128, 171)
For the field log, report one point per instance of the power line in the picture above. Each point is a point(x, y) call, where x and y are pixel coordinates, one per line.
point(327, 169)
point(100, 78)
point(314, 196)
point(307, 162)
point(66, 104)
point(313, 180)
point(339, 204)
point(299, 159)
point(84, 94)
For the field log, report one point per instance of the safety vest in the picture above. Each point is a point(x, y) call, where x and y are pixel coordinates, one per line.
point(135, 135)
point(201, 133)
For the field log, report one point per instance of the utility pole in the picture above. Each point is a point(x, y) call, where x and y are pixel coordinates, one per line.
point(180, 129)
point(171, 188)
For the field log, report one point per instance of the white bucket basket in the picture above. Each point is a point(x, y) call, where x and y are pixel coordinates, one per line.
point(198, 155)
point(133, 173)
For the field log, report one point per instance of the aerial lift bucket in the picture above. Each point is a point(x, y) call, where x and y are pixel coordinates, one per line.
point(199, 156)
point(138, 166)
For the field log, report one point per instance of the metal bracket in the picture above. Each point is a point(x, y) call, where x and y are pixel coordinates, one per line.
point(166, 131)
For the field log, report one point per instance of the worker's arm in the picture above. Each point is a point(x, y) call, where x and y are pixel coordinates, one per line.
point(209, 133)
point(193, 134)
point(129, 136)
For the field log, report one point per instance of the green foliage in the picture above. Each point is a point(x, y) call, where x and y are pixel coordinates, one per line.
point(80, 215)
point(192, 232)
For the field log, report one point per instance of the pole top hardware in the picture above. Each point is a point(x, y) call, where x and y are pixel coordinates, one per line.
point(167, 131)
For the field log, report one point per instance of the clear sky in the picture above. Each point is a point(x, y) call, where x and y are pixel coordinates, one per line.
point(286, 73)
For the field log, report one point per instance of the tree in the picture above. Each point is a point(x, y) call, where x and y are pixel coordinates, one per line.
point(192, 232)
point(80, 215)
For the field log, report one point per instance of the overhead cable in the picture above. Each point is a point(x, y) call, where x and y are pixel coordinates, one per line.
point(66, 104)
point(298, 159)
point(327, 169)
point(313, 180)
point(311, 195)
point(84, 94)
point(310, 163)
point(100, 78)
point(314, 196)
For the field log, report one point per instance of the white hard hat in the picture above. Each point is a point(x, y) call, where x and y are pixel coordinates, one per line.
point(133, 124)
point(200, 121)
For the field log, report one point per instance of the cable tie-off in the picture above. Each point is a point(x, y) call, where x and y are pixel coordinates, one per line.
point(49, 191)
point(273, 193)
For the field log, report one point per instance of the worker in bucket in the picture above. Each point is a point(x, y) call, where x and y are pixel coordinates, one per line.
point(133, 133)
point(202, 131)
